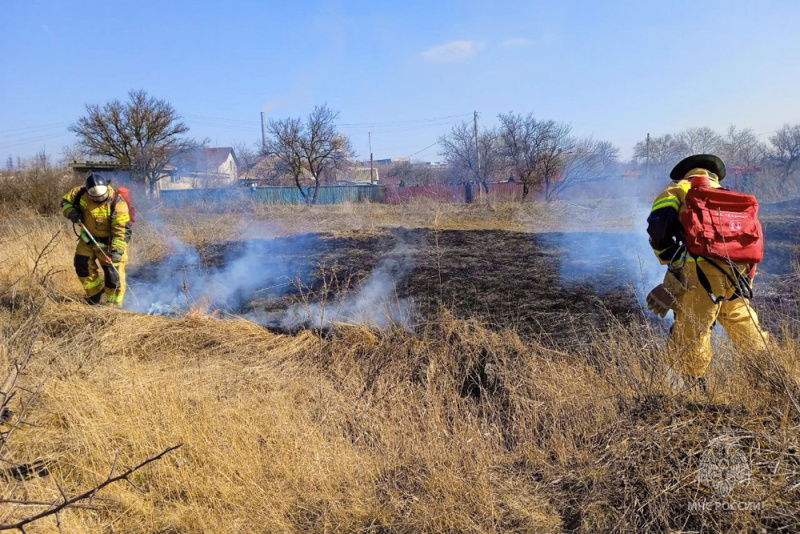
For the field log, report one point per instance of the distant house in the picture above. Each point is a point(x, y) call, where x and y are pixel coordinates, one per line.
point(357, 175)
point(204, 167)
point(263, 170)
point(113, 172)
point(389, 161)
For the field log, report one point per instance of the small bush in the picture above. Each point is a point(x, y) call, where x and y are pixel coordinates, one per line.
point(37, 189)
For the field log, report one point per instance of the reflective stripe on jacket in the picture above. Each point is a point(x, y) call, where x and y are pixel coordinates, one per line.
point(110, 228)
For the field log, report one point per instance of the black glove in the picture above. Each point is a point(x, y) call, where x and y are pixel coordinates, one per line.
point(116, 256)
point(74, 216)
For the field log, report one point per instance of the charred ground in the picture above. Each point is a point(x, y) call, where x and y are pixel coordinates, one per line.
point(551, 285)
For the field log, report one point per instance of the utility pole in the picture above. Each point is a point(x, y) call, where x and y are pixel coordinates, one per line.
point(371, 172)
point(477, 149)
point(263, 134)
point(647, 157)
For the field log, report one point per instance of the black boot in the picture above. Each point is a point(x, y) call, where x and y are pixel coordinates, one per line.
point(94, 300)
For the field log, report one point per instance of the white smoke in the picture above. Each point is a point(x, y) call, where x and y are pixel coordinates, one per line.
point(608, 249)
point(374, 303)
point(182, 280)
point(242, 272)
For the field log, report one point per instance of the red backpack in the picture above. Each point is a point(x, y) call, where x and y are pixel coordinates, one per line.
point(721, 224)
point(126, 194)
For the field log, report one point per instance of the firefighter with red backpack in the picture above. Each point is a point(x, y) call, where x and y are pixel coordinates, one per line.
point(105, 220)
point(710, 239)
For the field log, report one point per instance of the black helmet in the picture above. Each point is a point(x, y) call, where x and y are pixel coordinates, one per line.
point(97, 187)
point(709, 162)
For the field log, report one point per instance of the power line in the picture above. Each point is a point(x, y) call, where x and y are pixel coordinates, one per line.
point(399, 128)
point(252, 128)
point(207, 120)
point(33, 140)
point(219, 119)
point(423, 150)
point(404, 122)
point(30, 129)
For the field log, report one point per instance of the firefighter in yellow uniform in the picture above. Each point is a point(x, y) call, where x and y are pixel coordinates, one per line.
point(689, 346)
point(105, 215)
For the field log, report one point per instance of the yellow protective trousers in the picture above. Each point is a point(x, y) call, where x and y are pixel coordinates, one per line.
point(87, 257)
point(689, 346)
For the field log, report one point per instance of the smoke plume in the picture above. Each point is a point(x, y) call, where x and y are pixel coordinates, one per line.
point(373, 303)
point(616, 257)
point(268, 268)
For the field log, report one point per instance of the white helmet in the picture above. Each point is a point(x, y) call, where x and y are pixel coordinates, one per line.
point(97, 187)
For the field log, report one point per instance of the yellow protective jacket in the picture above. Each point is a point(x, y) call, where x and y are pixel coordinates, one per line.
point(663, 224)
point(109, 222)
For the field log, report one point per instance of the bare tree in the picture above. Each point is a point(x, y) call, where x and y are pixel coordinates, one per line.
point(552, 162)
point(702, 140)
point(785, 152)
point(587, 161)
point(492, 165)
point(255, 163)
point(458, 150)
point(247, 155)
point(521, 142)
point(409, 173)
point(70, 153)
point(141, 134)
point(740, 147)
point(533, 149)
point(310, 149)
point(664, 150)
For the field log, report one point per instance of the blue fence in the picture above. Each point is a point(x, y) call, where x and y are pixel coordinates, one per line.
point(274, 195)
point(339, 194)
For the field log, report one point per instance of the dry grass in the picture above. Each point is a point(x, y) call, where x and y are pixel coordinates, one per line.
point(454, 428)
point(35, 190)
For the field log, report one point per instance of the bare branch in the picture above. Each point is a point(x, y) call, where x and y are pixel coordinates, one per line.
point(785, 151)
point(57, 507)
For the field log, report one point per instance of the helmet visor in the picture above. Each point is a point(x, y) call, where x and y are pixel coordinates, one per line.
point(98, 192)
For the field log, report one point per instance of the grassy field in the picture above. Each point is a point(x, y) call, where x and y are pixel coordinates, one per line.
point(461, 424)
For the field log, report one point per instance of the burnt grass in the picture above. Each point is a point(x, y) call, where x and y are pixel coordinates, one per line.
point(546, 285)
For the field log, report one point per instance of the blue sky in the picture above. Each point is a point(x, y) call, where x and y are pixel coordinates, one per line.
point(404, 70)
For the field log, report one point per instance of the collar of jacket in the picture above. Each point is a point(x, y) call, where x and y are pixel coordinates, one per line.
point(701, 172)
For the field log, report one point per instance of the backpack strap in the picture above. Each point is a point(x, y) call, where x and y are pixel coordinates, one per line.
point(78, 197)
point(114, 203)
point(741, 281)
